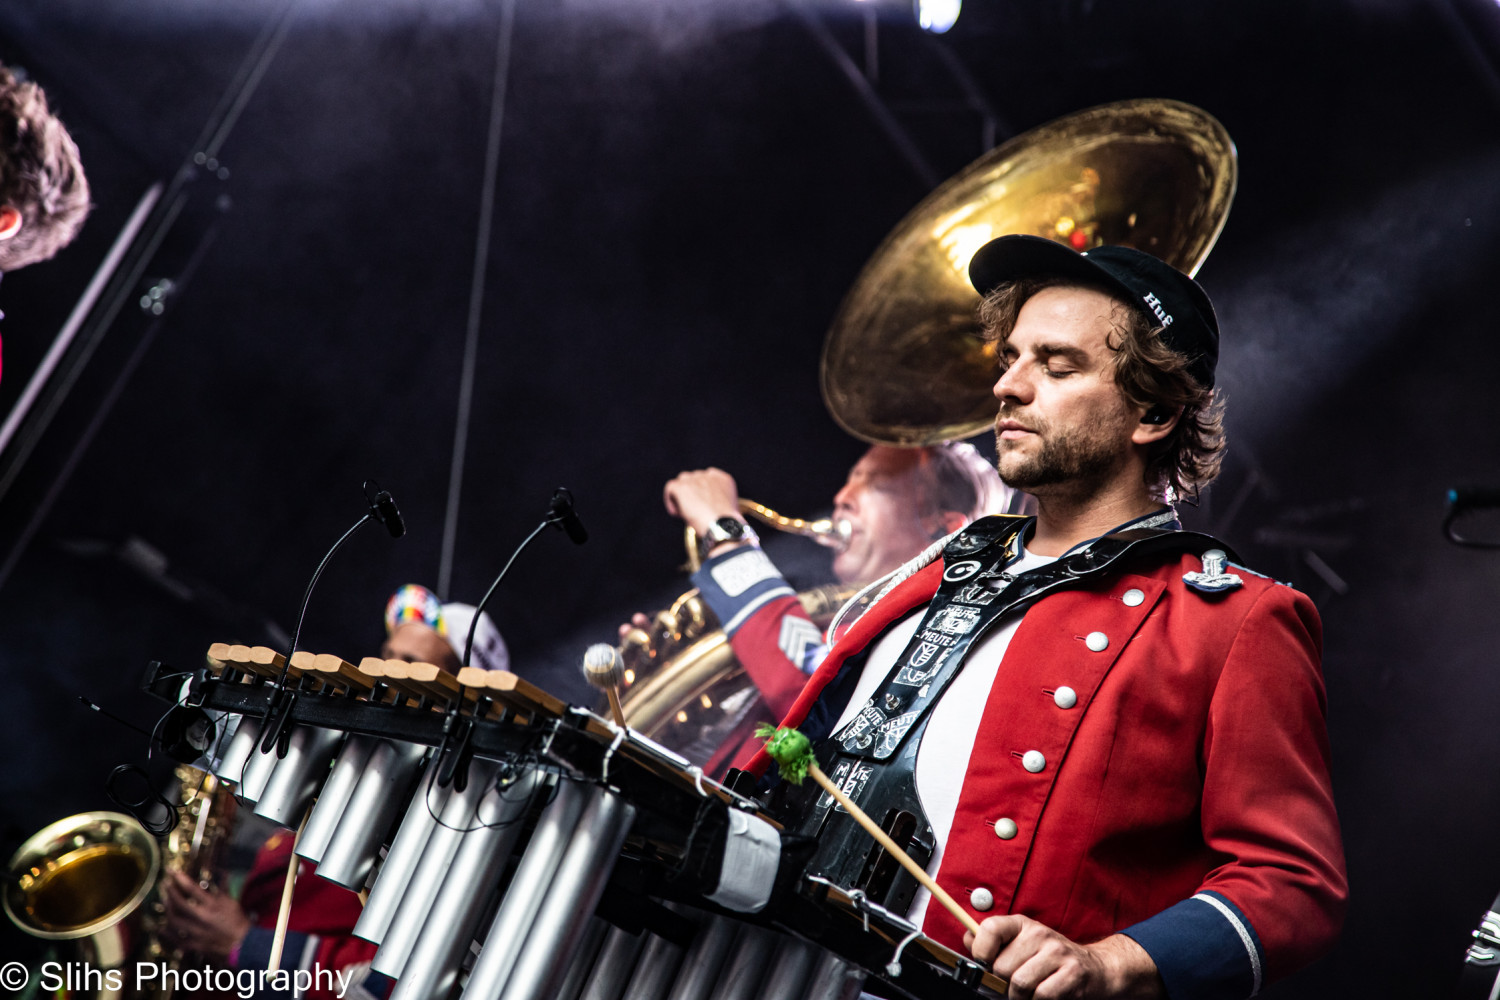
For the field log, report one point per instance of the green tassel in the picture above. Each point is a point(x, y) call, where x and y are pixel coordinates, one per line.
point(792, 752)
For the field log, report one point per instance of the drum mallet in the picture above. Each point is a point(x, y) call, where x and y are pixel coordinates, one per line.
point(793, 754)
point(605, 670)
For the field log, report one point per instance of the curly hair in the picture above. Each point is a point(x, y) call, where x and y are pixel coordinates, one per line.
point(40, 175)
point(1149, 374)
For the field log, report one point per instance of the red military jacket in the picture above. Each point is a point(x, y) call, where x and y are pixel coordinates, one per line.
point(320, 936)
point(1185, 798)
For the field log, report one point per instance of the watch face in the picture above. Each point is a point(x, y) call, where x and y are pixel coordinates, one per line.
point(730, 527)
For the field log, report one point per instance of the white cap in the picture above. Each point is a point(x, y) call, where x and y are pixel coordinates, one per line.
point(489, 648)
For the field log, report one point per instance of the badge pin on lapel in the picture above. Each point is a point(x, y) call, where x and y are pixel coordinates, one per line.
point(965, 544)
point(1213, 579)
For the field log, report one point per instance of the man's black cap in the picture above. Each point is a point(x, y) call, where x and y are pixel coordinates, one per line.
point(1170, 299)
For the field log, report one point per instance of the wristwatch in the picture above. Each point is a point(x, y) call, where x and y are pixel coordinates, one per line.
point(725, 529)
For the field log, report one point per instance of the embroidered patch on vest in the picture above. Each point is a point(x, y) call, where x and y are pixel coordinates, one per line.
point(797, 636)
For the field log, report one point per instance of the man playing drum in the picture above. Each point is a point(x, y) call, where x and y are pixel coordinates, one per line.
point(1120, 743)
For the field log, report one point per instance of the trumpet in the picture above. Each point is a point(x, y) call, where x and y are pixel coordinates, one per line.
point(825, 531)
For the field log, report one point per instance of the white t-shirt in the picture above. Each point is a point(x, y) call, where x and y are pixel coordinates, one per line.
point(943, 756)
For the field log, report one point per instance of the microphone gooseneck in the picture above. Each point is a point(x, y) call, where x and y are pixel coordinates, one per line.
point(382, 508)
point(454, 769)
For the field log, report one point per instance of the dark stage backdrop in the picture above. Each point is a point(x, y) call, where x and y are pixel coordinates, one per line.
point(685, 189)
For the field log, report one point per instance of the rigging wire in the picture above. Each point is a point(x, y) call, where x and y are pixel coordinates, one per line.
point(476, 294)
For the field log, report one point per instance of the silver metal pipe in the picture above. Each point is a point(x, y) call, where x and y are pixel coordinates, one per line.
point(458, 818)
point(790, 969)
point(533, 875)
point(747, 964)
point(334, 798)
point(656, 970)
point(583, 959)
point(395, 872)
point(232, 764)
point(378, 796)
point(834, 979)
point(705, 959)
point(580, 881)
point(616, 961)
point(226, 724)
point(431, 970)
point(257, 773)
point(297, 776)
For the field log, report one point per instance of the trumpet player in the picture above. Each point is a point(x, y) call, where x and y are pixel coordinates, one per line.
point(896, 502)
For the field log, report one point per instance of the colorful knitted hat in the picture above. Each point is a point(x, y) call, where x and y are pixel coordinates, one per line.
point(414, 603)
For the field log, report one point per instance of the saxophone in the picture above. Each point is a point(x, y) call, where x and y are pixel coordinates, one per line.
point(92, 879)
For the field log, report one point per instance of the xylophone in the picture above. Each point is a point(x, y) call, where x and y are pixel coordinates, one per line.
point(516, 847)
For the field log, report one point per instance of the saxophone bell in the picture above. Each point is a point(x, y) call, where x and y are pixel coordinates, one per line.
point(83, 879)
point(90, 878)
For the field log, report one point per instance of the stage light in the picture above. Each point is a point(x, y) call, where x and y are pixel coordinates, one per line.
point(937, 16)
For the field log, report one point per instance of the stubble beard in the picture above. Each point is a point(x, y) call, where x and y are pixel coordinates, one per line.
point(1072, 463)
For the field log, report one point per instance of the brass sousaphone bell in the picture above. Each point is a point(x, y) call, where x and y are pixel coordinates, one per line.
point(904, 362)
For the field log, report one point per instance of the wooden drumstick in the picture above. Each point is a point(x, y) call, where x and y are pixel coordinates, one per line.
point(793, 754)
point(284, 914)
point(605, 669)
